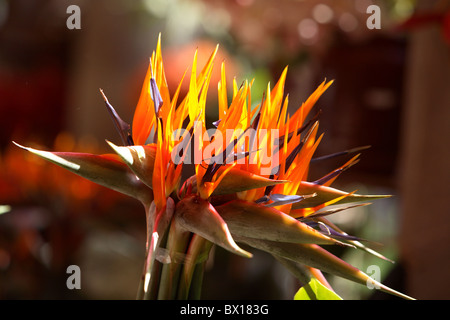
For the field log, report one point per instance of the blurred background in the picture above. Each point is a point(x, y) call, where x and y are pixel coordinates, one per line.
point(391, 91)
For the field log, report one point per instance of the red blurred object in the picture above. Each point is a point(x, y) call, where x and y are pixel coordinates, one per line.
point(419, 20)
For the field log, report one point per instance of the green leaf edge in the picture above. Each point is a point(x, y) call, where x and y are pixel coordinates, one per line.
point(314, 290)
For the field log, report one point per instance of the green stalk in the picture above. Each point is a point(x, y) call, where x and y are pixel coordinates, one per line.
point(152, 293)
point(155, 279)
point(159, 223)
point(197, 281)
point(177, 244)
point(140, 292)
point(153, 284)
point(149, 221)
point(198, 247)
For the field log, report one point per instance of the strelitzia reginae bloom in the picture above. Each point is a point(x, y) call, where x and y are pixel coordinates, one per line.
point(251, 187)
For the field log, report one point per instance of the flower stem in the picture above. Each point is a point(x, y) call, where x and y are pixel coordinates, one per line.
point(177, 244)
point(198, 248)
point(197, 281)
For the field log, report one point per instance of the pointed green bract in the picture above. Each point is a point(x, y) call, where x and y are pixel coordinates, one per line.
point(356, 243)
point(107, 170)
point(325, 194)
point(252, 220)
point(140, 159)
point(327, 211)
point(314, 256)
point(199, 216)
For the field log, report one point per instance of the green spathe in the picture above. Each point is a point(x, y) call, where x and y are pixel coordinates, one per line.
point(314, 290)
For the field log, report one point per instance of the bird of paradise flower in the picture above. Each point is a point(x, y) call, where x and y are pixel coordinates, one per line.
point(236, 200)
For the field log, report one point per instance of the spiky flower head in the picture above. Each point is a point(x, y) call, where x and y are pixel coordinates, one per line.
point(250, 184)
